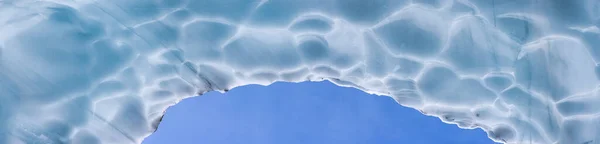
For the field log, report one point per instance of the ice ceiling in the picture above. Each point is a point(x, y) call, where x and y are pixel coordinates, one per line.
point(103, 71)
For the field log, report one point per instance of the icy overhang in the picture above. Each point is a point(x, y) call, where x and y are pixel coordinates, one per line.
point(103, 71)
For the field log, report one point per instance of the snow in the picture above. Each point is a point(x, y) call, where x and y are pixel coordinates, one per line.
point(104, 71)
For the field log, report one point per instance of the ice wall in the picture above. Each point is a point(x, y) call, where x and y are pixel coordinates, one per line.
point(104, 71)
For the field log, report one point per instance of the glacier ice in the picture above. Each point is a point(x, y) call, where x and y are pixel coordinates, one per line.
point(104, 71)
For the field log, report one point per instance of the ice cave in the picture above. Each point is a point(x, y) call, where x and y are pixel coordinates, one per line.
point(104, 71)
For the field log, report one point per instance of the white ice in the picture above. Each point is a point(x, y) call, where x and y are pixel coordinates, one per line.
point(104, 71)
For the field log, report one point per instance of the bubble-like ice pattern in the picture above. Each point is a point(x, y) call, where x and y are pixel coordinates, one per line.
point(104, 71)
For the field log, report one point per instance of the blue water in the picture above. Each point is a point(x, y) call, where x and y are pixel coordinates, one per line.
point(303, 113)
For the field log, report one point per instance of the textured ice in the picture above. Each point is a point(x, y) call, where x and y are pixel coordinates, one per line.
point(104, 71)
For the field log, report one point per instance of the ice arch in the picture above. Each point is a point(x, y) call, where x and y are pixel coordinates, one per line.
point(102, 71)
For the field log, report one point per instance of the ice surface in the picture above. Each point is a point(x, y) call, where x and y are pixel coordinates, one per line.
point(104, 71)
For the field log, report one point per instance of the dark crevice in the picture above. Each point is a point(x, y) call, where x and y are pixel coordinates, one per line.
point(157, 122)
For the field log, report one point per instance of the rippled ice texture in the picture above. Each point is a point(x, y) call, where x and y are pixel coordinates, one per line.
point(104, 71)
